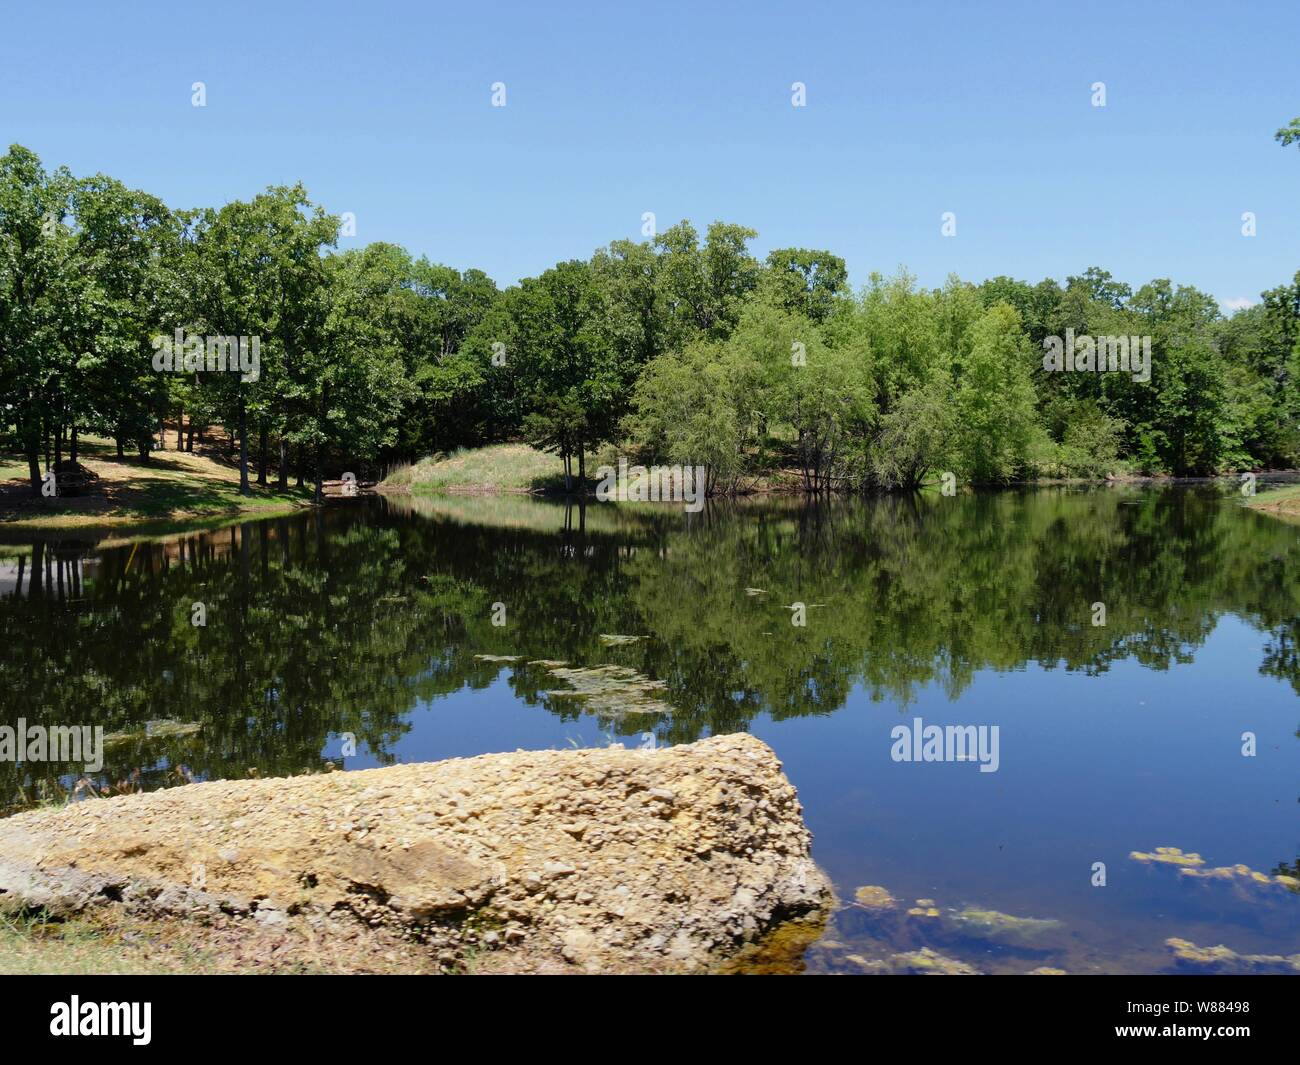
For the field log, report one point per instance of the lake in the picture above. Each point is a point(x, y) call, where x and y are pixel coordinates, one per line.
point(1116, 644)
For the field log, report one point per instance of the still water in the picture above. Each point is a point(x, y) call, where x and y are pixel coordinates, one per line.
point(1120, 640)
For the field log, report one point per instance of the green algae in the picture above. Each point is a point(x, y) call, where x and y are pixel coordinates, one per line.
point(1168, 856)
point(610, 691)
point(996, 926)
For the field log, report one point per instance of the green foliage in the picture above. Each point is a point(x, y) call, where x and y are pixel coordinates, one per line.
point(994, 399)
point(681, 349)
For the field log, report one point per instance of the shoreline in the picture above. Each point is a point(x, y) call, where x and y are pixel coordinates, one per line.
point(137, 524)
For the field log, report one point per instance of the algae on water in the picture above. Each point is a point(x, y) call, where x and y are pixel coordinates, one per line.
point(610, 691)
point(614, 640)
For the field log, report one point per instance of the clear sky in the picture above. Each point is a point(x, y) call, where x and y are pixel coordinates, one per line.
point(684, 109)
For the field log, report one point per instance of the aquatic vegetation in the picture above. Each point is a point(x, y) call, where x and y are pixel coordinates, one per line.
point(163, 729)
point(1224, 959)
point(611, 640)
point(499, 658)
point(1242, 874)
point(923, 962)
point(610, 691)
point(1190, 865)
point(990, 924)
point(1047, 970)
point(1168, 856)
point(924, 908)
point(872, 897)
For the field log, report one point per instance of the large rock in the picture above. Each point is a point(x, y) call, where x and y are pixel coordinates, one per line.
point(606, 858)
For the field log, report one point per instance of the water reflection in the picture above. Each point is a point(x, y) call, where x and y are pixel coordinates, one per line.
point(365, 618)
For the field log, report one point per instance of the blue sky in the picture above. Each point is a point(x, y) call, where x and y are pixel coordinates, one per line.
point(684, 109)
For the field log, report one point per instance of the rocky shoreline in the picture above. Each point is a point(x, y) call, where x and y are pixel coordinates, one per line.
point(599, 860)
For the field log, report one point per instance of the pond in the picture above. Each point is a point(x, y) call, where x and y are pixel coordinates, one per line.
point(1129, 655)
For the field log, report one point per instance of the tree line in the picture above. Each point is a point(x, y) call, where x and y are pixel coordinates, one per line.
point(683, 348)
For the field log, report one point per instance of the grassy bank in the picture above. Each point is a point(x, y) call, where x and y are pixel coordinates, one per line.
point(173, 486)
point(518, 468)
point(487, 470)
point(1283, 502)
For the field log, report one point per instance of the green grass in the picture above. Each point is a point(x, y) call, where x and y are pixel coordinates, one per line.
point(1283, 502)
point(12, 468)
point(1267, 496)
point(496, 468)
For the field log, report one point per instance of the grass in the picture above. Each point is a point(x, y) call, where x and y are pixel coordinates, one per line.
point(1284, 502)
point(173, 485)
point(115, 943)
point(496, 468)
point(31, 945)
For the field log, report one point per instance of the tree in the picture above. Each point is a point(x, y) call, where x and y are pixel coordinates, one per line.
point(805, 281)
point(689, 409)
point(994, 400)
point(36, 269)
point(257, 271)
point(572, 382)
point(820, 395)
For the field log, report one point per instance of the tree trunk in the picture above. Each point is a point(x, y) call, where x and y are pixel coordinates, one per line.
point(73, 445)
point(261, 456)
point(189, 436)
point(243, 447)
point(302, 465)
point(282, 473)
point(180, 429)
point(320, 476)
point(34, 468)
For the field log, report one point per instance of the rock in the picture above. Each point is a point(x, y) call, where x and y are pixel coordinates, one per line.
point(681, 858)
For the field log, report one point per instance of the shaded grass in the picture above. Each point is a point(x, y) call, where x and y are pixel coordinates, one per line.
point(172, 485)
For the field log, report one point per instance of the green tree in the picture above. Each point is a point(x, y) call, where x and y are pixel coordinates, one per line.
point(998, 427)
